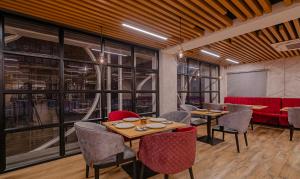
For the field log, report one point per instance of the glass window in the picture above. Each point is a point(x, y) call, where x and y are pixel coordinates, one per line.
point(194, 68)
point(29, 146)
point(214, 97)
point(78, 106)
point(145, 58)
point(205, 83)
point(194, 99)
point(145, 102)
point(118, 101)
point(205, 69)
point(181, 99)
point(145, 80)
point(182, 82)
point(182, 68)
point(25, 110)
point(24, 36)
point(118, 78)
point(214, 84)
point(214, 71)
point(81, 76)
point(117, 53)
point(30, 73)
point(206, 98)
point(81, 46)
point(194, 84)
point(71, 142)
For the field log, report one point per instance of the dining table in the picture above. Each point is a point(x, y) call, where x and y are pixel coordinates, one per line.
point(209, 115)
point(133, 133)
point(253, 106)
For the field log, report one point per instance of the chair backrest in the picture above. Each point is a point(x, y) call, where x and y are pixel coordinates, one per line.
point(188, 107)
point(119, 115)
point(294, 116)
point(213, 106)
point(237, 107)
point(178, 116)
point(168, 153)
point(238, 120)
point(96, 143)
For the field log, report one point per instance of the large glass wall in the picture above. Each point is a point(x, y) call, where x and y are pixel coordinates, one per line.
point(197, 82)
point(50, 78)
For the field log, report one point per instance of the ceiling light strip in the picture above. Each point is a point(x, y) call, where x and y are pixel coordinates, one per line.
point(144, 31)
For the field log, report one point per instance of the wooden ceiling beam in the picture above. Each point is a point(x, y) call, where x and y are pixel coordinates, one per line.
point(216, 5)
point(290, 29)
point(223, 18)
point(208, 26)
point(297, 26)
point(266, 5)
point(228, 4)
point(244, 8)
point(286, 37)
point(190, 5)
point(253, 4)
point(263, 37)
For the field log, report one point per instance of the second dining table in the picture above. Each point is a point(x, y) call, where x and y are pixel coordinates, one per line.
point(210, 115)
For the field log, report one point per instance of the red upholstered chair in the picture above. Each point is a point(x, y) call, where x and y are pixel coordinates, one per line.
point(169, 152)
point(119, 115)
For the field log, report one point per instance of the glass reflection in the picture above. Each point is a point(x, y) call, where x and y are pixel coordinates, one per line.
point(118, 78)
point(145, 102)
point(30, 73)
point(118, 101)
point(145, 80)
point(25, 110)
point(145, 58)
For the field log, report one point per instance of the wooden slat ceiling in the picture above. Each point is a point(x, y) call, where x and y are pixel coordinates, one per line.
point(253, 47)
point(158, 16)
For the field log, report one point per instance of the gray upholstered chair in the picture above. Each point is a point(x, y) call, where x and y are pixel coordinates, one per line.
point(239, 107)
point(178, 116)
point(294, 120)
point(195, 120)
point(213, 106)
point(101, 148)
point(234, 123)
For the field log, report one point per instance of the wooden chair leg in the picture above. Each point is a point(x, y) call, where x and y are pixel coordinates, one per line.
point(237, 142)
point(97, 171)
point(251, 123)
point(191, 173)
point(223, 136)
point(291, 132)
point(246, 141)
point(130, 143)
point(212, 137)
point(134, 169)
point(87, 169)
point(142, 171)
point(166, 176)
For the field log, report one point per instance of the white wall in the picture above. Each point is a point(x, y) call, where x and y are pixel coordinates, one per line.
point(283, 76)
point(167, 83)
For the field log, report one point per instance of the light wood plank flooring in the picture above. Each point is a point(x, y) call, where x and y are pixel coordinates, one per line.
point(270, 155)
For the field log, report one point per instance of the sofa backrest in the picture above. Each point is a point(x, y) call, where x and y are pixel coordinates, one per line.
point(290, 102)
point(274, 104)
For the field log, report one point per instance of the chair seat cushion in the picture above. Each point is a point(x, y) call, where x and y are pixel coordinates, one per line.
point(128, 153)
point(198, 121)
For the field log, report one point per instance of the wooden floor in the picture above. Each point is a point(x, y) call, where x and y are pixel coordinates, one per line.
point(270, 155)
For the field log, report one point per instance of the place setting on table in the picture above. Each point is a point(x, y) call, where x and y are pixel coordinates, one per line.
point(133, 127)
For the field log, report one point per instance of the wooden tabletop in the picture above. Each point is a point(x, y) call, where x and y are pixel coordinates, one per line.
point(132, 133)
point(285, 109)
point(209, 113)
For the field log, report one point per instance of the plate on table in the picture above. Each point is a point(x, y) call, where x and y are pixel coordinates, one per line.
point(215, 111)
point(155, 125)
point(124, 125)
point(131, 119)
point(157, 119)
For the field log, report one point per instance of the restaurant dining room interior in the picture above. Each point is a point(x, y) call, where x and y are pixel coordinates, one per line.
point(152, 89)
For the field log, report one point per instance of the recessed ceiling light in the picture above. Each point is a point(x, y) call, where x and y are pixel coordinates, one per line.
point(144, 31)
point(210, 53)
point(232, 61)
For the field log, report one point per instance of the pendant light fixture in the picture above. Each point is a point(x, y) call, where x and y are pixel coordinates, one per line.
point(180, 55)
point(101, 55)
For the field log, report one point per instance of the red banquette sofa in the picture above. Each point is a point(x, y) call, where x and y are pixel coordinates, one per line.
point(270, 115)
